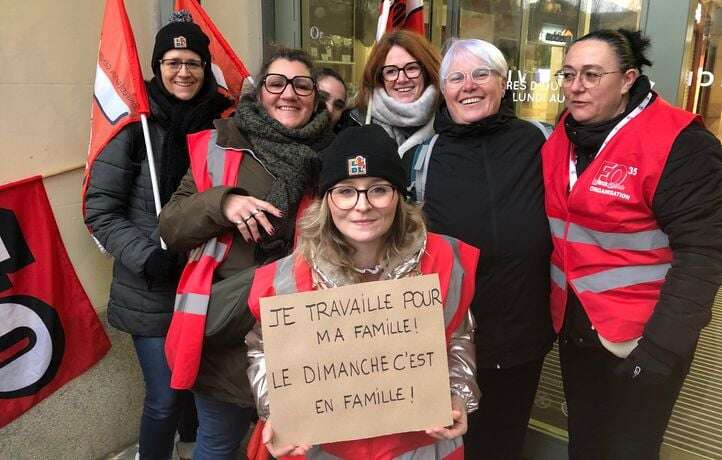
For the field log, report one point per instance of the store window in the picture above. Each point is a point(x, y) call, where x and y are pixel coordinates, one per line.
point(340, 34)
point(532, 34)
point(703, 92)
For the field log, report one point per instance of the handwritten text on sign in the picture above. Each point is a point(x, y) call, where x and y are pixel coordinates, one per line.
point(357, 361)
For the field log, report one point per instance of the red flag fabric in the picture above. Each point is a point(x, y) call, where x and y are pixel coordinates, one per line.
point(406, 14)
point(49, 332)
point(119, 95)
point(228, 69)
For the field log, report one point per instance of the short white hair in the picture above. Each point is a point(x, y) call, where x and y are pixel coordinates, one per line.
point(485, 51)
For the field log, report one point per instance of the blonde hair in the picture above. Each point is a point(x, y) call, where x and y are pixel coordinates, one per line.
point(319, 236)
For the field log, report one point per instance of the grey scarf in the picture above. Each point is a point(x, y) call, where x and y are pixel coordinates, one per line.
point(391, 114)
point(290, 155)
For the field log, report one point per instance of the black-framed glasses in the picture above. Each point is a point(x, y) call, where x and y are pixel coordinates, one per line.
point(480, 75)
point(412, 70)
point(174, 65)
point(588, 78)
point(275, 83)
point(346, 197)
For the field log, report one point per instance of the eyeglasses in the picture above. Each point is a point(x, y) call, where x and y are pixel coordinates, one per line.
point(588, 78)
point(391, 72)
point(275, 83)
point(346, 197)
point(174, 65)
point(479, 76)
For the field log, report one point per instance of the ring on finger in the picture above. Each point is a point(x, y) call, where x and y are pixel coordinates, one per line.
point(255, 211)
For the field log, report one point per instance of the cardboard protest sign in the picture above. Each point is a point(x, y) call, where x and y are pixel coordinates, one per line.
point(357, 361)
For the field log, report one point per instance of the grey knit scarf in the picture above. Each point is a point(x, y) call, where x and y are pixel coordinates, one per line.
point(392, 114)
point(290, 155)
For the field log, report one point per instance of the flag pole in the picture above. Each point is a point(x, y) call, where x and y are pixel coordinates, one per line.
point(380, 31)
point(151, 166)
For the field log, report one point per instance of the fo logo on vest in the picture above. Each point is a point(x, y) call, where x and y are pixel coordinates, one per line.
point(611, 178)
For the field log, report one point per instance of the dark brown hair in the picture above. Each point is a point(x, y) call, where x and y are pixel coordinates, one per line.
point(289, 54)
point(629, 46)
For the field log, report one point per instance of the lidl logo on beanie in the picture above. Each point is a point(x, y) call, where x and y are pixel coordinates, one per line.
point(357, 166)
point(180, 42)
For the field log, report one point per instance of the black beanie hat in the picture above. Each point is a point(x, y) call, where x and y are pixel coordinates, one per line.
point(362, 151)
point(180, 33)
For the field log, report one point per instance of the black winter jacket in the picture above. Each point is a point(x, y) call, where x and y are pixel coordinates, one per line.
point(484, 186)
point(121, 215)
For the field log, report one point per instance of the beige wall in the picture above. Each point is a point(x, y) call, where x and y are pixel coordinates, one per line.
point(49, 50)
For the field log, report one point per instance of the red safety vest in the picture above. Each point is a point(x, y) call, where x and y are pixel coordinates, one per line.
point(211, 166)
point(455, 263)
point(608, 246)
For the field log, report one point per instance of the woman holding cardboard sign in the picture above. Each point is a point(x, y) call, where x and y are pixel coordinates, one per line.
point(361, 229)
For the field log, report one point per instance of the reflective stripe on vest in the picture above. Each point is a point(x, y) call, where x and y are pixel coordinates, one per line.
point(453, 295)
point(190, 302)
point(558, 276)
point(284, 282)
point(216, 160)
point(620, 277)
point(637, 241)
point(616, 277)
point(216, 252)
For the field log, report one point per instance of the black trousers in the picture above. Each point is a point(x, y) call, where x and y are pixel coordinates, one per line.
point(611, 418)
point(188, 419)
point(496, 431)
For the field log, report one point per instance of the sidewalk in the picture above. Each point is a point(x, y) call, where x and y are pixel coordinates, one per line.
point(129, 453)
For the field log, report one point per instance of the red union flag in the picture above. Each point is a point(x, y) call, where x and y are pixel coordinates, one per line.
point(119, 95)
point(402, 14)
point(227, 67)
point(49, 332)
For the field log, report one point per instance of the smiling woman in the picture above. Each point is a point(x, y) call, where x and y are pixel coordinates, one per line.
point(401, 81)
point(484, 186)
point(288, 93)
point(182, 73)
point(269, 164)
point(184, 99)
point(361, 229)
point(474, 81)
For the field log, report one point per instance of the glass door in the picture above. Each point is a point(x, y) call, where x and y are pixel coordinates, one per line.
point(533, 35)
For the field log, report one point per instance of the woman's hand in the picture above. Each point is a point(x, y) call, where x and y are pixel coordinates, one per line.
point(458, 414)
point(278, 451)
point(248, 213)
